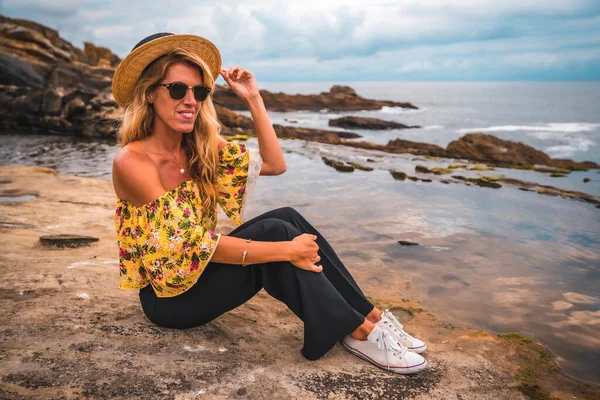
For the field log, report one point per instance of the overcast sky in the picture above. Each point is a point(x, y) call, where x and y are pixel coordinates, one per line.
point(352, 40)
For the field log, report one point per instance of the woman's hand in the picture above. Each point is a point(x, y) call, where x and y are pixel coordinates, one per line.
point(242, 82)
point(304, 252)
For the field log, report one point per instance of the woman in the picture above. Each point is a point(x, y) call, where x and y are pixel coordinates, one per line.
point(172, 170)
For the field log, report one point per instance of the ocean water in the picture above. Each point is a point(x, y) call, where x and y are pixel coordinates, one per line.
point(560, 118)
point(501, 260)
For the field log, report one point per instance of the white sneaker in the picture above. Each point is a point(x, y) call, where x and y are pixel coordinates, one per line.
point(396, 330)
point(385, 352)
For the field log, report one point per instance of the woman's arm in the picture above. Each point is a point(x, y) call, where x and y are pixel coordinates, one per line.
point(268, 145)
point(300, 251)
point(242, 82)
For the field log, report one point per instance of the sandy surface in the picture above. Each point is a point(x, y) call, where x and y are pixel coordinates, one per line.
point(68, 331)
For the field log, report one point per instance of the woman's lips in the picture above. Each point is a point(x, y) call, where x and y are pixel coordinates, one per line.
point(188, 115)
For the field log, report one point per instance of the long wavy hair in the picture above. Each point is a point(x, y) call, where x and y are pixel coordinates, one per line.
point(201, 144)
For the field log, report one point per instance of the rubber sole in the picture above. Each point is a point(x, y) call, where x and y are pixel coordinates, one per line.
point(419, 350)
point(398, 370)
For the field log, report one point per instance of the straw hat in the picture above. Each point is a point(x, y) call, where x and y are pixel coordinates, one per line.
point(148, 50)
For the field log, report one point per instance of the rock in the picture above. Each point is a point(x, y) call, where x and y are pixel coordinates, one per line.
point(232, 119)
point(488, 148)
point(398, 175)
point(405, 243)
point(100, 55)
point(75, 107)
point(434, 170)
point(481, 167)
point(550, 190)
point(543, 168)
point(485, 183)
point(361, 167)
point(340, 166)
point(573, 165)
point(339, 98)
point(315, 135)
point(367, 123)
point(67, 240)
point(479, 181)
point(14, 71)
point(51, 102)
point(557, 175)
point(483, 147)
point(586, 180)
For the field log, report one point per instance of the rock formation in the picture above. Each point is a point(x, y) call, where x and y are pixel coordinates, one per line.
point(488, 148)
point(367, 123)
point(339, 98)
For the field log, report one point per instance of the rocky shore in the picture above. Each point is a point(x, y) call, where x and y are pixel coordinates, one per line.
point(68, 332)
point(48, 86)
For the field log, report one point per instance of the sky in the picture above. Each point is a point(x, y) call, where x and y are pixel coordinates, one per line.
point(351, 40)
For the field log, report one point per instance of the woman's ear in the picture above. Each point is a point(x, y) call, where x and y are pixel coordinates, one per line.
point(149, 97)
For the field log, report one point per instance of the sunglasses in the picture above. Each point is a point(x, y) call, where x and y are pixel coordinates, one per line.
point(177, 90)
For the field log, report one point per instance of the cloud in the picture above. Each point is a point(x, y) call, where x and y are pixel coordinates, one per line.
point(348, 40)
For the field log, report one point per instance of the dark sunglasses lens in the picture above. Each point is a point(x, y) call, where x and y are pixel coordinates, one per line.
point(201, 93)
point(177, 91)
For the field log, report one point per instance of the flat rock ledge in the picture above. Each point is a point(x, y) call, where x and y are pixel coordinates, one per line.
point(68, 332)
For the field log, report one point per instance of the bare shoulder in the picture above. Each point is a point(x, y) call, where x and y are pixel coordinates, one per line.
point(135, 176)
point(222, 142)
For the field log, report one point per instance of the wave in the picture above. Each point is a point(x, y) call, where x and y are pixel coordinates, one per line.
point(432, 127)
point(563, 127)
point(399, 110)
point(567, 150)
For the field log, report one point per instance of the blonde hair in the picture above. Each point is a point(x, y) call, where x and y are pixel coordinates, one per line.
point(201, 144)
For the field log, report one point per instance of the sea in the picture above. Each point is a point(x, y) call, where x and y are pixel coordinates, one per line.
point(499, 260)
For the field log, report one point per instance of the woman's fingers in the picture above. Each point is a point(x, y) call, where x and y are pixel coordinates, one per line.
point(235, 72)
point(317, 268)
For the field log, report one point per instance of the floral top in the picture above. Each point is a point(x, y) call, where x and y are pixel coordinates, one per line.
point(169, 241)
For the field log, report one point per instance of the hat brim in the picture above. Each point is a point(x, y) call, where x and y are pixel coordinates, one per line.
point(131, 67)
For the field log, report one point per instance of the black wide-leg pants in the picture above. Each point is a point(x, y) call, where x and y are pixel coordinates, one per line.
point(330, 303)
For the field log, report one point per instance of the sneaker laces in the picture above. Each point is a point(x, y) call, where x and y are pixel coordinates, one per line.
point(398, 327)
point(384, 341)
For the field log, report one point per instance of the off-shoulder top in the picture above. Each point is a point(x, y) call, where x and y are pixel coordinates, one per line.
point(169, 241)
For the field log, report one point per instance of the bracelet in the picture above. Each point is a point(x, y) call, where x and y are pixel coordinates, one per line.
point(244, 257)
point(244, 253)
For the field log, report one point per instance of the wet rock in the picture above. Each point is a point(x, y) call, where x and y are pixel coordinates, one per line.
point(586, 180)
point(361, 167)
point(479, 181)
point(433, 170)
point(488, 148)
point(338, 165)
point(398, 175)
point(351, 122)
point(67, 240)
point(558, 176)
point(554, 170)
point(486, 183)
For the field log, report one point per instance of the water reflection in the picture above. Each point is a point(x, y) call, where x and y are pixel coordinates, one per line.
point(500, 260)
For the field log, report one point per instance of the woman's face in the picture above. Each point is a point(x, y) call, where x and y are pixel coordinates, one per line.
point(177, 115)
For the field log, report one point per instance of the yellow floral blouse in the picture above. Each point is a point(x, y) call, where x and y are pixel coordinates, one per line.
point(169, 241)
